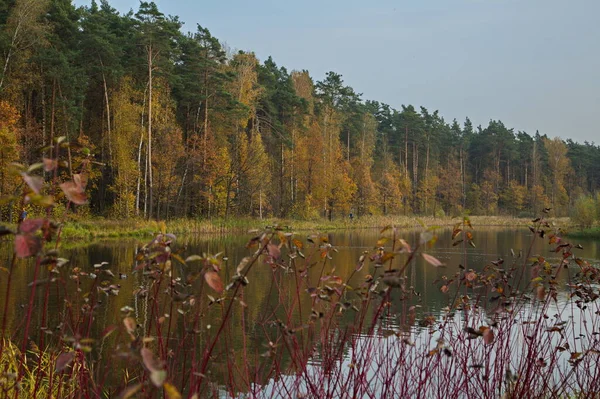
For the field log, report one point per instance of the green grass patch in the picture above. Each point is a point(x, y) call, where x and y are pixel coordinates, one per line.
point(98, 228)
point(591, 233)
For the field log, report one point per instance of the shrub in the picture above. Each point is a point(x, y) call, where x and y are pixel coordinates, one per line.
point(584, 212)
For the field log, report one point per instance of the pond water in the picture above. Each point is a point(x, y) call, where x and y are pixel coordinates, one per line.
point(264, 295)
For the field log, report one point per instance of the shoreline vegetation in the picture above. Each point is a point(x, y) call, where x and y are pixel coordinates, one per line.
point(587, 233)
point(97, 228)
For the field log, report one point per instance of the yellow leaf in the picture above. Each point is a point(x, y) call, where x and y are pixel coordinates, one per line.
point(381, 242)
point(387, 256)
point(171, 391)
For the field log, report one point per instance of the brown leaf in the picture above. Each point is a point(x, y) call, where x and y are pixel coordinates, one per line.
point(298, 244)
point(63, 360)
point(130, 325)
point(541, 293)
point(214, 281)
point(130, 391)
point(35, 183)
point(470, 275)
point(80, 180)
point(107, 331)
point(73, 192)
point(27, 245)
point(433, 261)
point(50, 164)
point(433, 352)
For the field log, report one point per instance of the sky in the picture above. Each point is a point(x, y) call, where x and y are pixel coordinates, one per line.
point(533, 64)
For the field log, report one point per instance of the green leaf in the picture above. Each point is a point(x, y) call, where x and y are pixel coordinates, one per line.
point(193, 258)
point(35, 166)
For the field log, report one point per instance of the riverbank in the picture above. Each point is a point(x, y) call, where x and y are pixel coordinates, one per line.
point(105, 228)
point(589, 233)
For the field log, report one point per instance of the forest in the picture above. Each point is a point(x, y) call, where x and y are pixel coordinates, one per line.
point(170, 123)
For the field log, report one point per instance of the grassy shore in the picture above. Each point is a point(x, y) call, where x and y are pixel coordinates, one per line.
point(97, 228)
point(106, 228)
point(589, 233)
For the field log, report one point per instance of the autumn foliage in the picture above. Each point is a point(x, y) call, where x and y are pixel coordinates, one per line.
point(178, 126)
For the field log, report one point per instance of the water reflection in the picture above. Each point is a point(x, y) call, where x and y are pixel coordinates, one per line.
point(270, 292)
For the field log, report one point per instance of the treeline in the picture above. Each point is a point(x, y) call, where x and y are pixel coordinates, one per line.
point(178, 127)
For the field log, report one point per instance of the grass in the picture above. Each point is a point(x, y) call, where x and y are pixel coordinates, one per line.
point(37, 370)
point(96, 228)
point(589, 233)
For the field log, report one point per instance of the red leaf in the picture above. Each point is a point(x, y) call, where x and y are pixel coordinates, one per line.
point(274, 251)
point(35, 183)
point(26, 245)
point(63, 360)
point(433, 261)
point(488, 336)
point(213, 280)
point(74, 192)
point(149, 360)
point(30, 226)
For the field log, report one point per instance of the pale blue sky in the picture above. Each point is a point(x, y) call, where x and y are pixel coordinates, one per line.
point(534, 64)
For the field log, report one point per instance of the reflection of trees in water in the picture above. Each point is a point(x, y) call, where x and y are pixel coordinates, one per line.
point(270, 296)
